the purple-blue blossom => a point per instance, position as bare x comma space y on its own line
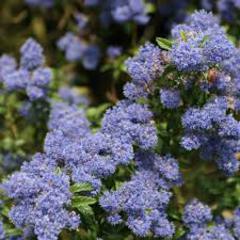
10, 162
228, 9
76, 49
132, 123
73, 46
218, 232
91, 57
236, 223
166, 168
16, 80
114, 51
72, 96
142, 200
7, 65
126, 10
145, 197
207, 4
31, 77
67, 124
42, 77
40, 3
89, 157
170, 98
134, 91
70, 119
2, 232
31, 55
82, 20
37, 86
96, 157
200, 43
196, 214
202, 21
198, 219
121, 11
40, 195
214, 132
91, 2
146, 66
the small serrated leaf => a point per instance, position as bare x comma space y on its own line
79, 201
12, 232
81, 187
85, 210
164, 43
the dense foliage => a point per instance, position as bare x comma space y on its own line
120, 120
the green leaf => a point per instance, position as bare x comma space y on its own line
150, 8
79, 201
94, 114
13, 232
5, 211
81, 187
164, 43
183, 36
204, 40
179, 233
85, 210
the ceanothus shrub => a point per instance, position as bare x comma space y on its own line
137, 172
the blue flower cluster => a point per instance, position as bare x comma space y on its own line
91, 2
200, 43
197, 216
141, 202
82, 20
87, 157
72, 96
144, 69
7, 65
41, 189
170, 98
133, 132
214, 132
145, 197
126, 10
228, 9
227, 80
132, 123
40, 3
84, 45
31, 76
114, 51
91, 157
121, 11
41, 195
2, 233
75, 48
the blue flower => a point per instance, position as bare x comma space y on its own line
31, 55
196, 214
200, 43
41, 195
7, 65
131, 122
170, 98
2, 232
